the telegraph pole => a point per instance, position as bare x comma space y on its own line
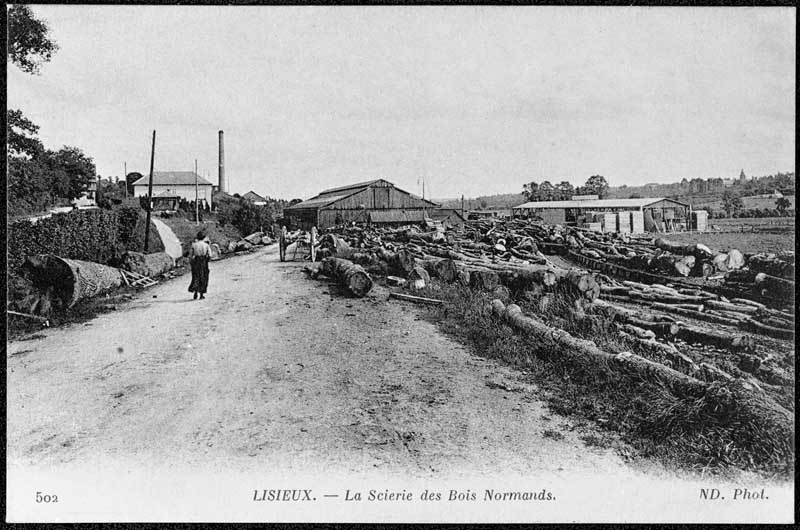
196, 197
125, 175
149, 195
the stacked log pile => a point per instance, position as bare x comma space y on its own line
705, 306
480, 264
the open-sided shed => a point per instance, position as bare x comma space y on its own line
358, 203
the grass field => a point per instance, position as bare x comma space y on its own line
748, 242
747, 203
752, 223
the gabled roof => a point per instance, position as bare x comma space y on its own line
332, 195
253, 196
172, 178
599, 203
351, 187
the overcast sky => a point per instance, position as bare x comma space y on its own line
477, 100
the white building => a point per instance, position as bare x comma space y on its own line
180, 183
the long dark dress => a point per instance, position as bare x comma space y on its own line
199, 275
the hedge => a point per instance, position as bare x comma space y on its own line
101, 236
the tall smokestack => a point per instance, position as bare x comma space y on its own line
223, 183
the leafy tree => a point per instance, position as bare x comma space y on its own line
565, 190
530, 190
547, 191
73, 170
109, 193
731, 203
130, 178
21, 135
782, 204
596, 185
29, 42
295, 201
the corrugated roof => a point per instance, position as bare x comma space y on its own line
396, 216
599, 203
174, 178
335, 194
316, 202
358, 185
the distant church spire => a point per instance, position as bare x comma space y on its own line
742, 176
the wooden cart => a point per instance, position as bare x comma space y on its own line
304, 243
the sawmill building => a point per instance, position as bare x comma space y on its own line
612, 215
375, 202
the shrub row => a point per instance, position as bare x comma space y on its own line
100, 236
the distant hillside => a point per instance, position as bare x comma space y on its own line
505, 200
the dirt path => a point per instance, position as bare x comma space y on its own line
285, 372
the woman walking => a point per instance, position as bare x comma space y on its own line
200, 255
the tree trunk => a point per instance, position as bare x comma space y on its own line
347, 274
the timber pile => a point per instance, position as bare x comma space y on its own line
732, 400
485, 258
743, 314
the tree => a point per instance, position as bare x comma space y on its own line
731, 203
21, 135
295, 201
29, 42
109, 193
596, 185
565, 190
130, 178
546, 191
73, 171
782, 204
530, 190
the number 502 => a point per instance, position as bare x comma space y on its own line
45, 498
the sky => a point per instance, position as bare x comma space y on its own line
475, 100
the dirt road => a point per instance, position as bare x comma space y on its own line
283, 371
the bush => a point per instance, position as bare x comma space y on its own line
245, 216
97, 235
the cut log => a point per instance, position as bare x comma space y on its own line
726, 341
150, 265
419, 299
347, 274
778, 333
587, 351
484, 280
71, 280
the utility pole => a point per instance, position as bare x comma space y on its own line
196, 197
149, 195
125, 176
462, 205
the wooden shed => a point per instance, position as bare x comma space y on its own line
666, 214
357, 203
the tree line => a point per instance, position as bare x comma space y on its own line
37, 177
563, 191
